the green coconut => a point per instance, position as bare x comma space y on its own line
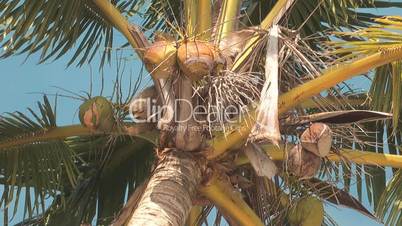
97, 114
308, 211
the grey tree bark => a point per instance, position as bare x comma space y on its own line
167, 198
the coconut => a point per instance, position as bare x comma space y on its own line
302, 163
196, 59
308, 211
160, 59
317, 139
97, 114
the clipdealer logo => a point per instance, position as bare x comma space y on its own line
146, 110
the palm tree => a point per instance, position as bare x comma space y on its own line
281, 159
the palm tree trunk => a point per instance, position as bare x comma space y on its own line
167, 198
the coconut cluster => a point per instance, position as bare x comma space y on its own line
195, 59
304, 159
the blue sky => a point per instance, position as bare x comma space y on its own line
21, 83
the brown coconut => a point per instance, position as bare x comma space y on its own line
160, 59
196, 59
302, 163
317, 139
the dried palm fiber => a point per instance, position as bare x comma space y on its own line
235, 42
266, 127
262, 164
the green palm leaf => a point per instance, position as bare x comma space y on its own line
103, 185
389, 207
384, 94
81, 174
318, 16
385, 35
54, 27
37, 169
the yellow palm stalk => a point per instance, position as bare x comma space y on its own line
205, 22
355, 156
190, 12
223, 195
274, 16
113, 15
227, 18
144, 131
194, 216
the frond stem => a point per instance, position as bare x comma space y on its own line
59, 133
355, 156
114, 16
227, 18
225, 197
273, 17
190, 9
204, 13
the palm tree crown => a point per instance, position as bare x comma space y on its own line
300, 131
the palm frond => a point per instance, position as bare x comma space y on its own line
369, 182
318, 15
37, 169
385, 91
54, 27
109, 183
389, 207
75, 172
337, 196
170, 9
383, 35
103, 184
